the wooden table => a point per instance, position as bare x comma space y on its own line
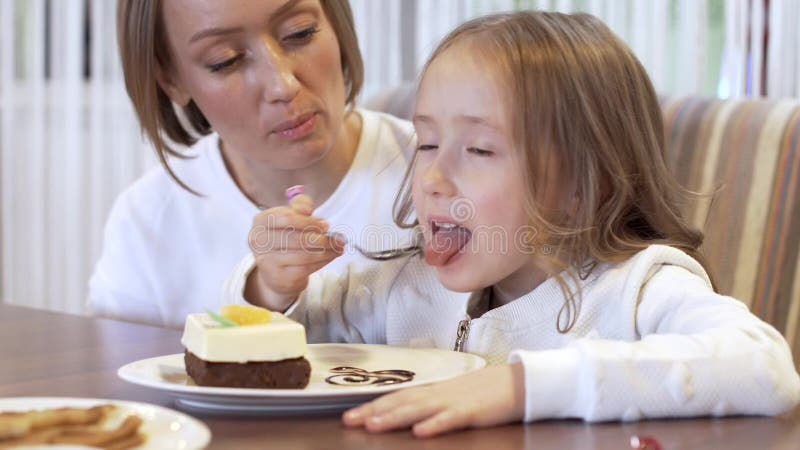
51, 354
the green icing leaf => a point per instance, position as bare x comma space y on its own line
227, 323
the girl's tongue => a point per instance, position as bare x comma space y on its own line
445, 243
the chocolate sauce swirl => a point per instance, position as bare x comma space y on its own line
353, 376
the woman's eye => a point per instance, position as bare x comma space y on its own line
302, 36
427, 147
480, 151
216, 67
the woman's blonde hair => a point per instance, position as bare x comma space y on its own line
143, 49
578, 94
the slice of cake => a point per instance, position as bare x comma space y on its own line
245, 347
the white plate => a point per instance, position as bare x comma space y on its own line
429, 365
165, 429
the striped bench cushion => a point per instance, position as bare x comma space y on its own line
744, 157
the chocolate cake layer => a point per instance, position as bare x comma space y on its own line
285, 374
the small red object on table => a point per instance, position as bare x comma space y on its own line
644, 443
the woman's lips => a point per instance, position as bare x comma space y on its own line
296, 128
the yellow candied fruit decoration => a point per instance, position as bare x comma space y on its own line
245, 314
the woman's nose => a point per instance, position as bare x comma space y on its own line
277, 71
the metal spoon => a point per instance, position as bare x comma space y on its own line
377, 255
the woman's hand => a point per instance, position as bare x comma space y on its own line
288, 245
484, 398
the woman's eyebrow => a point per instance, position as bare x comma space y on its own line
214, 32
217, 31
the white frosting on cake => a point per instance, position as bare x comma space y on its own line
280, 338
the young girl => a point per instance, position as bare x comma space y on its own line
552, 241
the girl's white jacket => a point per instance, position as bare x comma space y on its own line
652, 338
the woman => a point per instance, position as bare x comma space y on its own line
262, 93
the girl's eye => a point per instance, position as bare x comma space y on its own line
427, 147
480, 151
216, 67
302, 36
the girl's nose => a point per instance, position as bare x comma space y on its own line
277, 72
436, 180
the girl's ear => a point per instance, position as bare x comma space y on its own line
172, 86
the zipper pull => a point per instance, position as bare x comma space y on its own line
461, 335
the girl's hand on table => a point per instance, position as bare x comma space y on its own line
484, 398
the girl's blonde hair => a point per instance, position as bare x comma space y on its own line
144, 50
580, 97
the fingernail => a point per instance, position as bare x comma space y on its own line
294, 191
353, 414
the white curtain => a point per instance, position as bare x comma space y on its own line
783, 49
69, 145
69, 142
710, 47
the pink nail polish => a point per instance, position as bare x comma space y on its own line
294, 191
